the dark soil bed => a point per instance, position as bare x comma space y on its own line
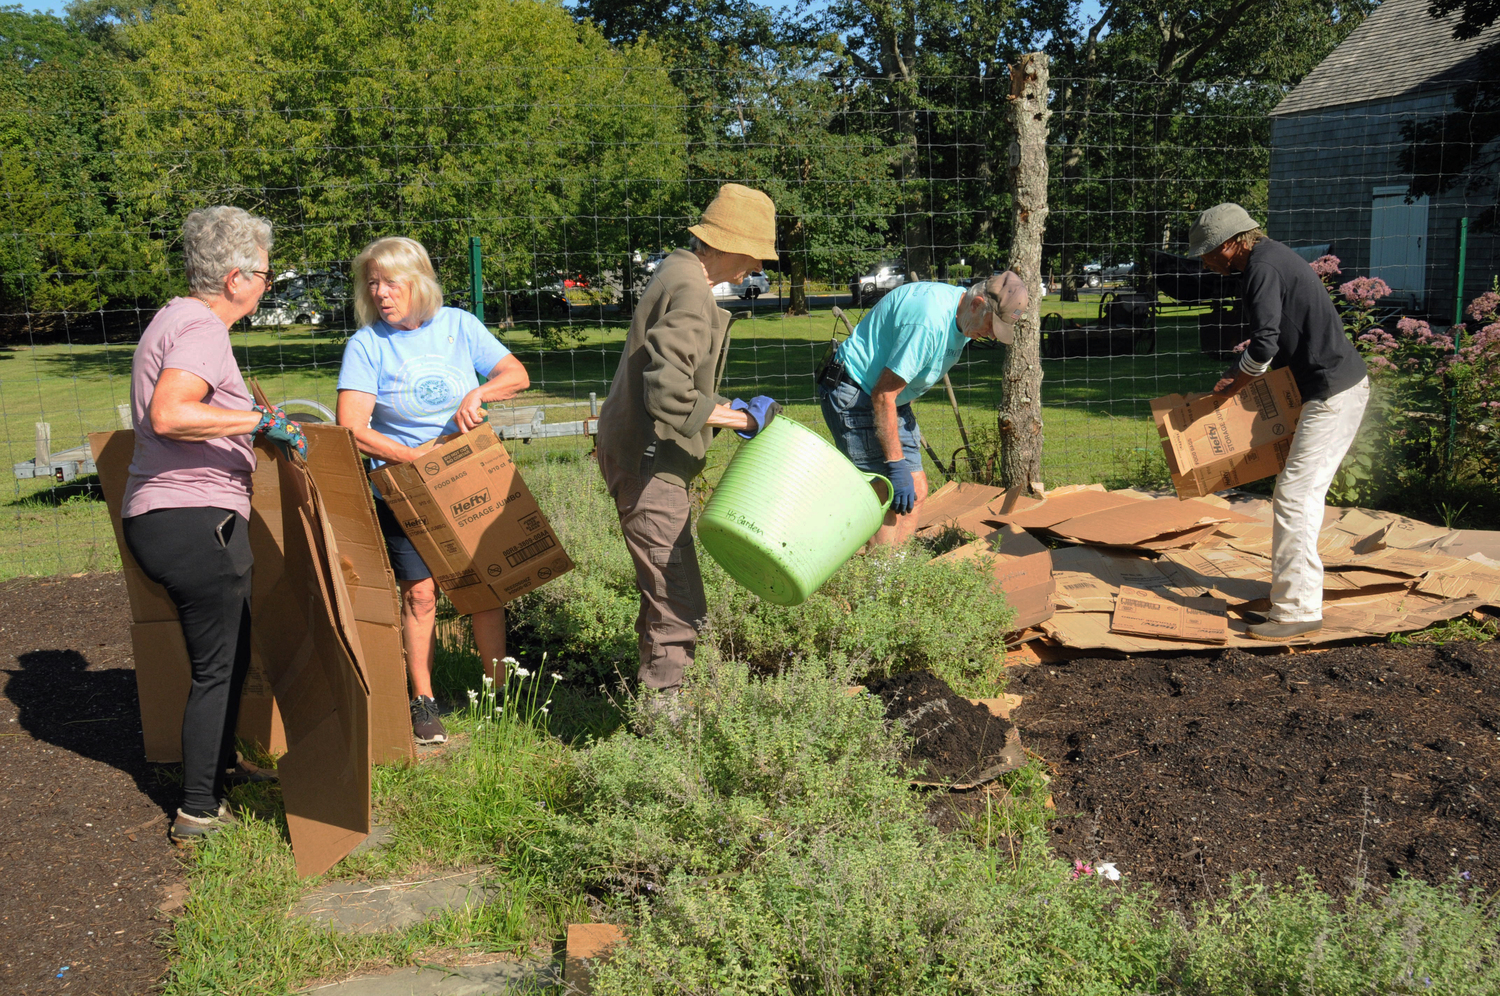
83, 831
1376, 761
955, 739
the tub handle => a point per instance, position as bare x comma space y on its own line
890, 489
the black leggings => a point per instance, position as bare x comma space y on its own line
202, 557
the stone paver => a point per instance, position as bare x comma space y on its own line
505, 977
376, 907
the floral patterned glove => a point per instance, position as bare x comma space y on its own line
275, 426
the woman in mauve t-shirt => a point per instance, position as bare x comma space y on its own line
187, 503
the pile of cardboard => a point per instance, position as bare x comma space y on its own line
1129, 571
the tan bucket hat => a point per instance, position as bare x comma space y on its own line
1218, 225
739, 220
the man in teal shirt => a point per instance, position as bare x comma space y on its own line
904, 345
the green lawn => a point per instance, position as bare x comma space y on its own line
1096, 409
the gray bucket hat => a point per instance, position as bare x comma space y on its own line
1217, 226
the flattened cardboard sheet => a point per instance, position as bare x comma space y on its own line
957, 504
1165, 615
1060, 506
325, 773
334, 464
1465, 579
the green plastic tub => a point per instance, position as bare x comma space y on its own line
788, 512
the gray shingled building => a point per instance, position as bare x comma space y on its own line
1334, 142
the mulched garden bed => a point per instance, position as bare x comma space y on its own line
83, 827
1376, 761
955, 739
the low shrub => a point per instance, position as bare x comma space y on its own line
885, 611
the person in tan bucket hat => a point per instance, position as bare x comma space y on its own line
661, 414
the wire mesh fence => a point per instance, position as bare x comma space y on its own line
546, 195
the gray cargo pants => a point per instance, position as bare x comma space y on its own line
654, 518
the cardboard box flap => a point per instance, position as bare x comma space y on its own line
1134, 521
1057, 508
1022, 569
1163, 614
1238, 576
1465, 579
952, 502
325, 774
1405, 563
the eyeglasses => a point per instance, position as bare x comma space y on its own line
265, 275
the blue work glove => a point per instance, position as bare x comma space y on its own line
903, 488
761, 408
275, 426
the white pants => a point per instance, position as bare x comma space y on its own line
1325, 432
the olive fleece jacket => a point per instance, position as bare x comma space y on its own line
663, 391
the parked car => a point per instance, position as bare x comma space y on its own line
885, 277
319, 297
753, 286
1092, 273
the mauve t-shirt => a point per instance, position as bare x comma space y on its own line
180, 473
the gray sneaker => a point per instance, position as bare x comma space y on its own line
426, 727
187, 829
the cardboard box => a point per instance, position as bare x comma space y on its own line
162, 671
1212, 443
1163, 614
1022, 569
471, 517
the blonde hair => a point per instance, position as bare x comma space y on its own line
400, 259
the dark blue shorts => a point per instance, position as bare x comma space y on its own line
850, 416
405, 560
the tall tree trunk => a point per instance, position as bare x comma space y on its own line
797, 268
1020, 416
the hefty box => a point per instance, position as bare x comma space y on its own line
474, 521
1213, 443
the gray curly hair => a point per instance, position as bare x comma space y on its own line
218, 240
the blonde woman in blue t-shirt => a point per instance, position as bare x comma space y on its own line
414, 371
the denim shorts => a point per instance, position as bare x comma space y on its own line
406, 563
850, 416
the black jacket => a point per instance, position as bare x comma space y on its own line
1294, 324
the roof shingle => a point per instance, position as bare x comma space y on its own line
1398, 50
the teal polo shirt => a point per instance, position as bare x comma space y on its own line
913, 332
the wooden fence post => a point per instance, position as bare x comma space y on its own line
1020, 416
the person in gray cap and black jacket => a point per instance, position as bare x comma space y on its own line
1293, 324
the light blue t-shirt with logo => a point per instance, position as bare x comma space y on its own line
419, 376
913, 331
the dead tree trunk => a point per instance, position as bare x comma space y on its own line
1020, 416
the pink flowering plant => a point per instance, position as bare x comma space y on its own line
1428, 386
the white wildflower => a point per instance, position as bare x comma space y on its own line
522, 673
509, 661
473, 696
498, 710
1107, 869
488, 681
556, 676
544, 708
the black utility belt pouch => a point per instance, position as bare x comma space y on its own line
830, 369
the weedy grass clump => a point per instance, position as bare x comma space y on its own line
887, 611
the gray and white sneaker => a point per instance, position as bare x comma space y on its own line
426, 727
186, 829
